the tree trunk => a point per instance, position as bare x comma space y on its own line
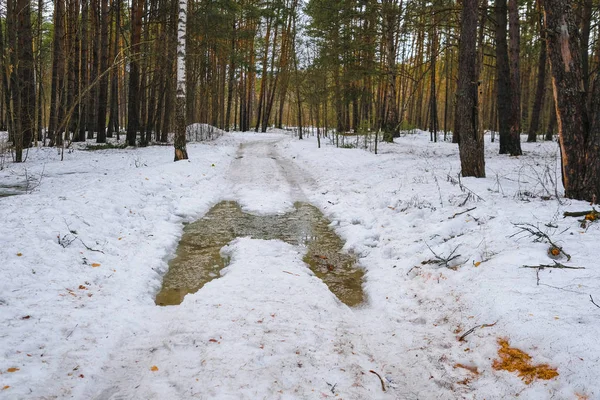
180, 125
471, 141
502, 77
84, 73
103, 78
580, 145
538, 103
113, 120
57, 73
514, 142
133, 101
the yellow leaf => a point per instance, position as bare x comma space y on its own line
12, 370
95, 265
5, 387
154, 368
477, 264
19, 254
120, 238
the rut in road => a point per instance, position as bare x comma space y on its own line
263, 181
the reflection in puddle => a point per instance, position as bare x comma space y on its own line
198, 260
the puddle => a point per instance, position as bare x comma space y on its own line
198, 261
11, 190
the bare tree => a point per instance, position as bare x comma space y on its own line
471, 141
179, 142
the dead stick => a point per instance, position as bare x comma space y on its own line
460, 213
556, 265
580, 213
593, 302
381, 380
89, 248
467, 333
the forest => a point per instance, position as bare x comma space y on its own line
74, 70
372, 199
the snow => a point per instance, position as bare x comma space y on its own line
84, 251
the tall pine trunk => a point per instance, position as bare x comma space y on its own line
514, 50
133, 101
579, 140
503, 83
538, 102
466, 124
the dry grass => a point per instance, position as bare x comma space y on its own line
515, 360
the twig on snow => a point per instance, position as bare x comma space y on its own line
467, 333
581, 213
380, 379
540, 236
441, 260
69, 335
593, 302
89, 248
556, 265
460, 213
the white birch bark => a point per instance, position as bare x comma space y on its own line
180, 125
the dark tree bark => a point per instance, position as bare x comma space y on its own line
231, 78
92, 109
514, 33
540, 91
72, 55
133, 119
113, 120
586, 21
471, 141
26, 72
579, 140
56, 90
4, 63
391, 120
503, 82
84, 72
433, 125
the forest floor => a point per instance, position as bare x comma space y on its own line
86, 243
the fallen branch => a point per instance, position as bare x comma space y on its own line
593, 302
460, 213
582, 213
541, 236
556, 265
380, 379
89, 248
69, 335
441, 260
467, 333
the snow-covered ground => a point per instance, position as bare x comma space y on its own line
84, 251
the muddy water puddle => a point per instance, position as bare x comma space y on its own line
198, 260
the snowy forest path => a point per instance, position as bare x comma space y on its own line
267, 325
264, 181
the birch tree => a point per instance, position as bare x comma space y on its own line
179, 142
